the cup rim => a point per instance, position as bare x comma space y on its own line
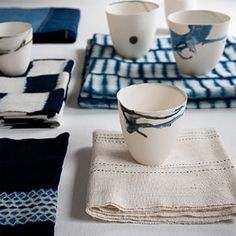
182, 103
131, 14
28, 28
227, 18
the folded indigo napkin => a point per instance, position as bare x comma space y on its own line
30, 172
105, 73
35, 99
50, 25
195, 185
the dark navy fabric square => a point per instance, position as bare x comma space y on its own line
30, 171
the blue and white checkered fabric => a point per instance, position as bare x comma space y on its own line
105, 73
35, 99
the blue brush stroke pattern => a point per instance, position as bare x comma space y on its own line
132, 118
197, 35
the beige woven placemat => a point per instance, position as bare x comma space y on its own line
195, 185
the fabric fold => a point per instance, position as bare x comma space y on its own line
105, 73
35, 99
195, 185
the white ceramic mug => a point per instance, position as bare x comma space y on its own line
151, 116
198, 39
15, 47
132, 26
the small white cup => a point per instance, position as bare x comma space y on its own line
150, 118
198, 39
132, 26
15, 47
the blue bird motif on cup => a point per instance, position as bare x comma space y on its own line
197, 35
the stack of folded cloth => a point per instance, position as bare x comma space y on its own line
195, 185
105, 73
30, 171
35, 99
50, 25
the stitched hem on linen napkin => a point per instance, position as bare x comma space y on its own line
195, 185
105, 73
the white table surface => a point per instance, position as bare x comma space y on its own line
80, 123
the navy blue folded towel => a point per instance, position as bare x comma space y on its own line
105, 73
30, 171
50, 25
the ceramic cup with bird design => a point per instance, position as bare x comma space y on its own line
151, 116
198, 39
132, 26
15, 47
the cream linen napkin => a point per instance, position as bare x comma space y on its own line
195, 185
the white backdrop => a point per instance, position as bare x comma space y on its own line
71, 217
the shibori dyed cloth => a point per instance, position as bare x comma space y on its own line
30, 172
50, 25
105, 73
35, 99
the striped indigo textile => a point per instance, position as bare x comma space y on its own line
36, 98
105, 73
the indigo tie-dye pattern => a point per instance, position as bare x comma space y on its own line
105, 73
197, 35
136, 121
24, 207
30, 171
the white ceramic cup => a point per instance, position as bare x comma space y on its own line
15, 47
132, 26
198, 39
178, 5
150, 117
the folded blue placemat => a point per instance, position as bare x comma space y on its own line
36, 98
30, 171
50, 25
105, 73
